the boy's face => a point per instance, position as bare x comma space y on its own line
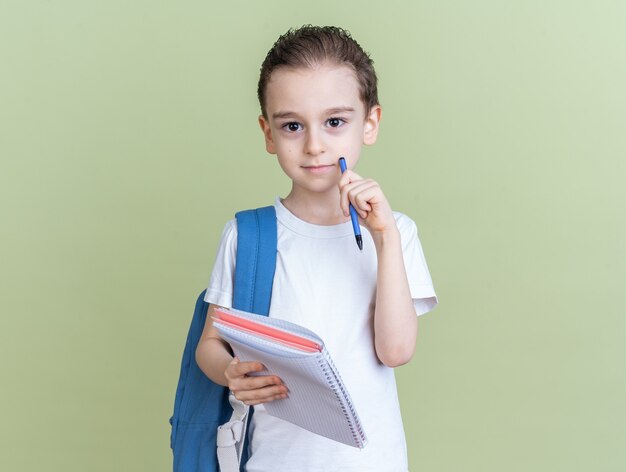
315, 116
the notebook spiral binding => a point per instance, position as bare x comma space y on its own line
334, 381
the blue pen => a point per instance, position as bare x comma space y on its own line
353, 216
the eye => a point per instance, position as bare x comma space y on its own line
335, 122
292, 126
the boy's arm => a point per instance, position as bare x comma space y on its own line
213, 354
215, 359
395, 320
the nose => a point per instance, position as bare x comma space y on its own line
313, 144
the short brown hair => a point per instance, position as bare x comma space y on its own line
310, 45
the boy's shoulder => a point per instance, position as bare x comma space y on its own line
230, 228
404, 222
228, 239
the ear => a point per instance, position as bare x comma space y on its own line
372, 121
267, 132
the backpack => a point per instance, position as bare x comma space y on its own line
201, 405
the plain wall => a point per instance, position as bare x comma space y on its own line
129, 136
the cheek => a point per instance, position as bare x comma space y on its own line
356, 134
356, 140
285, 148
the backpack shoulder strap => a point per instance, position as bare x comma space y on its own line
256, 259
199, 402
254, 275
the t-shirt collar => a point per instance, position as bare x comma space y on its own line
304, 228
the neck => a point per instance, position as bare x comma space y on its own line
318, 209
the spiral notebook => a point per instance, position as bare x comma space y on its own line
318, 400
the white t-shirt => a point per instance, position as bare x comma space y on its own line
323, 282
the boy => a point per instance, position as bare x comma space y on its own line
319, 102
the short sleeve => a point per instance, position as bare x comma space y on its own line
420, 282
220, 289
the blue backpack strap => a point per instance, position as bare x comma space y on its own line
256, 260
201, 405
254, 271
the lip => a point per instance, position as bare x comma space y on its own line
321, 169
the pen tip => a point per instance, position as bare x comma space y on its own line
359, 242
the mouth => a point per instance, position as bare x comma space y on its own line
319, 169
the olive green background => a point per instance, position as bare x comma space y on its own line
128, 137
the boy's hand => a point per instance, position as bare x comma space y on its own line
253, 390
368, 200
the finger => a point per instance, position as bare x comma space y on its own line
253, 383
265, 400
261, 395
344, 189
239, 369
363, 195
268, 399
347, 177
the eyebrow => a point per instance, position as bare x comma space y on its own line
330, 111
